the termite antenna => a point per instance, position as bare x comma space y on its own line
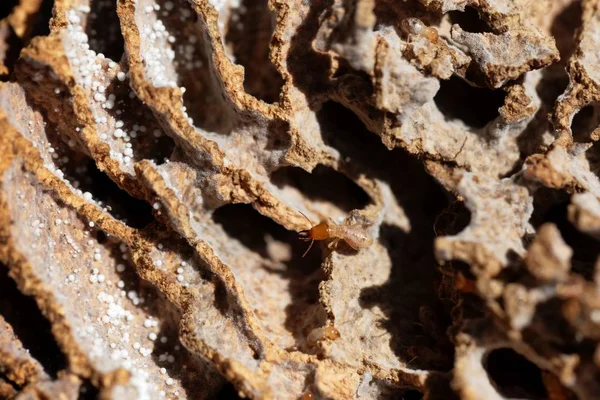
309, 246
304, 235
308, 219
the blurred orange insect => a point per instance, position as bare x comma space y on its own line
353, 233
323, 333
414, 26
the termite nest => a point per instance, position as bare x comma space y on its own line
161, 159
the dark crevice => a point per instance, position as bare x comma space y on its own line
474, 106
563, 29
412, 395
585, 248
6, 7
273, 242
149, 141
37, 24
134, 212
41, 20
452, 220
514, 376
29, 325
5, 380
12, 47
469, 20
249, 32
228, 392
549, 205
323, 184
103, 29
585, 122
87, 391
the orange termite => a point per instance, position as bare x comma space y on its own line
307, 395
554, 388
324, 333
355, 234
464, 284
416, 27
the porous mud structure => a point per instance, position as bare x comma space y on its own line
158, 159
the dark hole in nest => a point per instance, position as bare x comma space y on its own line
323, 184
41, 25
514, 375
104, 29
584, 122
412, 395
452, 220
87, 391
101, 237
14, 44
136, 213
563, 29
7, 7
29, 325
469, 20
474, 106
585, 248
228, 392
249, 32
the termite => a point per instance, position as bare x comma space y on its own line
307, 395
324, 333
416, 27
464, 284
554, 388
355, 234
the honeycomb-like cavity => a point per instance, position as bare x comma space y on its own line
160, 158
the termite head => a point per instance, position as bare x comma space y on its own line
317, 232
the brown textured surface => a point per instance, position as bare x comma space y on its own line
159, 157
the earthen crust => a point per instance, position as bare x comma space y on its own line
159, 158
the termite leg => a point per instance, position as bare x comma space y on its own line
309, 246
333, 243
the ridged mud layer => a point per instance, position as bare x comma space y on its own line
159, 157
